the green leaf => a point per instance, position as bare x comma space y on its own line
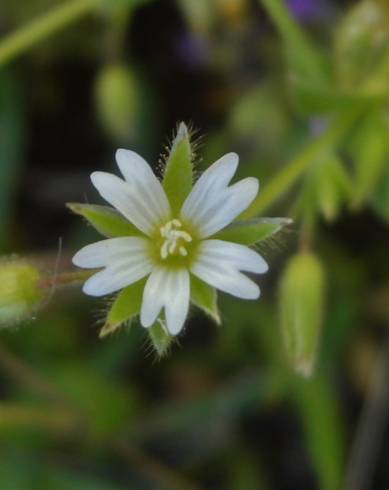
205, 298
326, 188
304, 60
160, 338
126, 305
252, 231
178, 176
104, 219
370, 152
311, 99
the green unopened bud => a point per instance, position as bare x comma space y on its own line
362, 44
20, 294
160, 338
116, 100
301, 306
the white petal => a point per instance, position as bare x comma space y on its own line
177, 294
167, 288
118, 276
127, 199
223, 209
108, 251
226, 279
152, 301
239, 256
213, 180
138, 172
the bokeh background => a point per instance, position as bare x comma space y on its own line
300, 90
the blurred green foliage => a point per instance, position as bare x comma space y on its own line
301, 95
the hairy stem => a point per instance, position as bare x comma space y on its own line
65, 279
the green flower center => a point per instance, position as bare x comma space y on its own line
174, 239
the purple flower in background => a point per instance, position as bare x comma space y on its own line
308, 10
192, 51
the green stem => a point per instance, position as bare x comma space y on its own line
42, 27
286, 26
295, 40
277, 187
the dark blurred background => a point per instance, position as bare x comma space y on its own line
223, 409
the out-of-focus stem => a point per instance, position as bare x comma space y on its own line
42, 27
373, 421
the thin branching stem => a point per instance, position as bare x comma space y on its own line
371, 428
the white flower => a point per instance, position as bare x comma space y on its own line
169, 249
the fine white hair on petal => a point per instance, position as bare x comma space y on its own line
111, 250
138, 172
211, 182
127, 198
221, 208
117, 276
225, 277
168, 288
239, 256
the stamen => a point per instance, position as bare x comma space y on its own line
174, 239
183, 251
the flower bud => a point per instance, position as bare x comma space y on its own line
361, 44
301, 307
20, 294
116, 100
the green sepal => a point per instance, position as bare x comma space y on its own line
252, 231
178, 175
160, 338
204, 297
126, 305
104, 219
